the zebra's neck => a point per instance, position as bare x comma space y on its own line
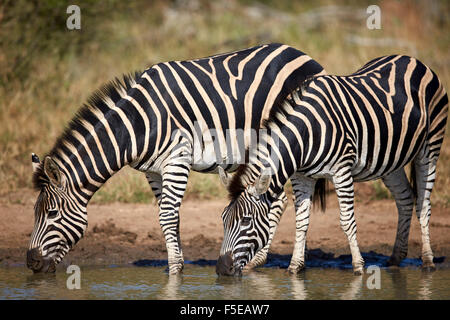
271, 156
112, 131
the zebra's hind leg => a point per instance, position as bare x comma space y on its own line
425, 170
276, 211
343, 183
303, 189
399, 186
155, 182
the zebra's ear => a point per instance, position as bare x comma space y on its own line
52, 171
261, 184
225, 178
35, 162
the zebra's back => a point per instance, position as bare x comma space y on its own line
380, 117
220, 99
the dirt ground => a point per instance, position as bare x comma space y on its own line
123, 233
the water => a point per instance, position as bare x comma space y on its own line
201, 282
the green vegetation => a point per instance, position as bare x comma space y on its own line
380, 191
48, 71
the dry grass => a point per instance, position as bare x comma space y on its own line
33, 112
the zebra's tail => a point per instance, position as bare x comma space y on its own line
437, 105
320, 193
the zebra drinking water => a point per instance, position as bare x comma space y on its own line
360, 127
169, 119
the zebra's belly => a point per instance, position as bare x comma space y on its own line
360, 173
367, 170
368, 175
209, 159
377, 166
207, 155
213, 167
385, 151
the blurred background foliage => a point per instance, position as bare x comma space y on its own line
48, 71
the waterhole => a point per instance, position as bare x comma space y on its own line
201, 282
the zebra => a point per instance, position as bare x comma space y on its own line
364, 126
171, 118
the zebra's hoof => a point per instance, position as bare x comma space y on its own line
253, 265
258, 261
295, 269
175, 269
357, 272
428, 267
248, 268
394, 261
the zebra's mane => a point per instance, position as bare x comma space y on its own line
280, 105
237, 185
98, 101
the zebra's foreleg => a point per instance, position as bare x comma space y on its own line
343, 182
303, 189
399, 186
172, 237
175, 175
425, 175
276, 211
174, 182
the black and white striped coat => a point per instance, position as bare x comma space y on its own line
360, 127
169, 119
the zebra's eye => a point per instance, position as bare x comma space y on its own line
246, 221
52, 213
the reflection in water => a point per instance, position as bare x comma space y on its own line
298, 286
425, 285
399, 282
230, 287
353, 289
263, 285
171, 289
48, 286
202, 283
40, 280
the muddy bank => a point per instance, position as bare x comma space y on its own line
127, 233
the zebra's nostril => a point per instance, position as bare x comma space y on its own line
37, 263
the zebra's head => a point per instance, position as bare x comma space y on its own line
59, 222
246, 225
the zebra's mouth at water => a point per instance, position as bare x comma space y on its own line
227, 265
39, 264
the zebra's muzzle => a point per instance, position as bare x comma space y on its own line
225, 266
38, 263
